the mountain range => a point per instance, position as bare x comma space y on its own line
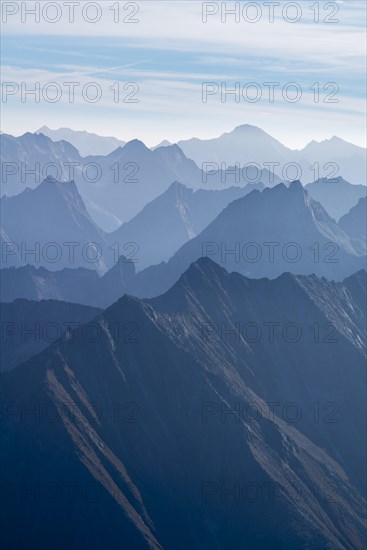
264, 234
193, 431
170, 220
183, 358
87, 143
115, 187
259, 234
249, 144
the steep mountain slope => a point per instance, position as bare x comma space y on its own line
28, 327
86, 142
171, 430
45, 220
264, 234
9, 253
336, 195
354, 223
170, 220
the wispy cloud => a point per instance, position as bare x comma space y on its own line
170, 52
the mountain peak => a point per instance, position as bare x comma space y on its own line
176, 186
42, 130
135, 146
164, 143
296, 186
203, 269
249, 128
171, 151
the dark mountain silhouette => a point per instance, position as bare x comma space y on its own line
28, 327
148, 422
336, 195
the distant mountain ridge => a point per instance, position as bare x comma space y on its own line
261, 234
248, 144
87, 143
117, 186
134, 175
173, 218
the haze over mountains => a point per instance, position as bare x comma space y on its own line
116, 186
183, 351
336, 195
87, 143
260, 234
355, 223
49, 225
249, 144
176, 216
73, 239
245, 144
25, 161
143, 419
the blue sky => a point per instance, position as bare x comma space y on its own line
170, 52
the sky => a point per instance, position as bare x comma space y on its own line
156, 70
